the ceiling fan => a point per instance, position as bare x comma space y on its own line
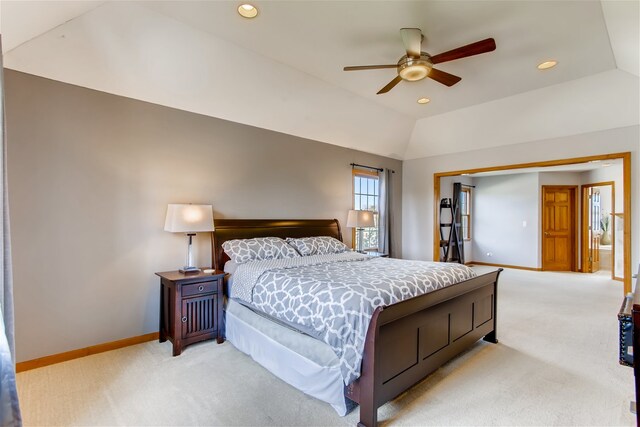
416, 65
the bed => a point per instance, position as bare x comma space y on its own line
404, 341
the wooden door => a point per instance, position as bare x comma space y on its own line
558, 228
591, 229
594, 230
591, 213
199, 315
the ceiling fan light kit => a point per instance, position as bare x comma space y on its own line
414, 69
417, 65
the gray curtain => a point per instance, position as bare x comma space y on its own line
9, 407
384, 214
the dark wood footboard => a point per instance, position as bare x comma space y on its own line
409, 340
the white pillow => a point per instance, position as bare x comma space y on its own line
230, 267
260, 248
320, 245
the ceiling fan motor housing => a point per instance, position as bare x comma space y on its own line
414, 69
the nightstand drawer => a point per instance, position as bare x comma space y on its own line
199, 288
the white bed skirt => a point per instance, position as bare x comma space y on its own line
298, 359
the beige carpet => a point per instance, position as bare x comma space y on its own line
556, 364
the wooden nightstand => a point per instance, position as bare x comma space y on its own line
190, 308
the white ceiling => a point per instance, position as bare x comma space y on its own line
283, 70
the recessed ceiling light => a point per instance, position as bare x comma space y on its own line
465, 174
247, 10
547, 64
423, 100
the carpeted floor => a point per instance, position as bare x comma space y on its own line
556, 364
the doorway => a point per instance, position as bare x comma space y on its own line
622, 232
598, 227
559, 228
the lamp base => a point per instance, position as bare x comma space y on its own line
189, 270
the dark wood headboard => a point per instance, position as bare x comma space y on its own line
229, 229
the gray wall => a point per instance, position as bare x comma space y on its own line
90, 177
501, 204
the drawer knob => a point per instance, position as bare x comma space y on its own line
184, 319
201, 288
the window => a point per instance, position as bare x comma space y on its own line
366, 196
465, 209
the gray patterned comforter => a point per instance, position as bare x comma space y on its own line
333, 297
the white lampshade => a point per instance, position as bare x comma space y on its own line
360, 219
189, 218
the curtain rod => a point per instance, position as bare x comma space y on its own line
465, 185
355, 165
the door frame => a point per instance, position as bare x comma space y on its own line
584, 229
626, 181
573, 215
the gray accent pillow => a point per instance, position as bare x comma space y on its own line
258, 249
320, 245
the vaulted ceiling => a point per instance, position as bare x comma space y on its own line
283, 70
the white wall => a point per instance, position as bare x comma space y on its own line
501, 205
418, 178
606, 206
560, 178
603, 174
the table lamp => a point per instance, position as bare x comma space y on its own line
189, 219
358, 220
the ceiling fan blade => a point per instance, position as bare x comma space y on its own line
442, 77
390, 85
412, 40
369, 67
476, 48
